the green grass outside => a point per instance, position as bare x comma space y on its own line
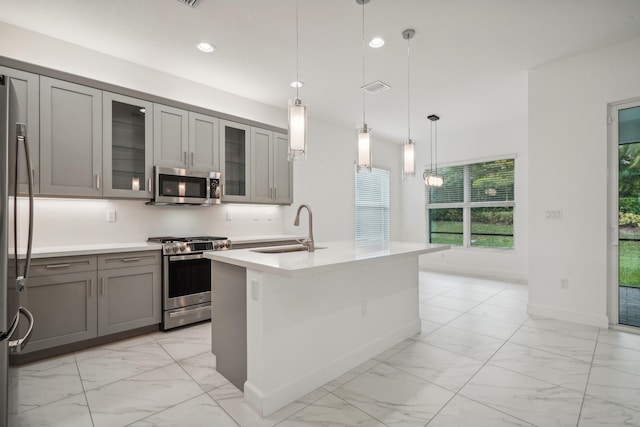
629, 259
477, 241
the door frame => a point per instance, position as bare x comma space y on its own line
613, 293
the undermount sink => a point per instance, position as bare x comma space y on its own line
282, 249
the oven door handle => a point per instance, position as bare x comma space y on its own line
185, 257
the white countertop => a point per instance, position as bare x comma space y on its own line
93, 249
262, 239
333, 255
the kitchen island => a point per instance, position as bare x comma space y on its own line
284, 324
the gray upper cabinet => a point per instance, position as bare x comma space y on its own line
127, 146
235, 149
171, 136
70, 139
271, 172
24, 99
185, 140
282, 169
204, 143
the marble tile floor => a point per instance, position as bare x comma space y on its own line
480, 360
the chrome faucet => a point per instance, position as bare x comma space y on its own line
309, 241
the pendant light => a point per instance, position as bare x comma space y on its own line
297, 112
431, 176
409, 147
363, 161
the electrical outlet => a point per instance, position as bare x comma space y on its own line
564, 283
255, 290
551, 215
111, 215
228, 216
364, 309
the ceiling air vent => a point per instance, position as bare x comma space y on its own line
375, 87
191, 3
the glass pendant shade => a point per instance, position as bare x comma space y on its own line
408, 159
297, 130
364, 148
433, 179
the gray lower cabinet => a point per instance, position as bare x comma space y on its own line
129, 291
70, 139
61, 294
77, 298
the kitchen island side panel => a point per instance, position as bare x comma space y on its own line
306, 330
229, 321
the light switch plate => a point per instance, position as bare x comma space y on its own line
111, 215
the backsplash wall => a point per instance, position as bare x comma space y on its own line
62, 222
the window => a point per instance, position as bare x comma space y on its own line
474, 206
372, 205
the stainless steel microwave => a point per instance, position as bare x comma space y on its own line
184, 187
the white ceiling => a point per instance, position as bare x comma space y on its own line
468, 58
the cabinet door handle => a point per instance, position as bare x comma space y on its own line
103, 288
149, 185
92, 289
97, 181
186, 163
51, 266
130, 259
192, 154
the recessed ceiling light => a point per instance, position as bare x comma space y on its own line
206, 47
297, 84
376, 42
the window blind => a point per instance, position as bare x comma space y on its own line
372, 205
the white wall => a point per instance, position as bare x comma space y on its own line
458, 144
325, 180
568, 163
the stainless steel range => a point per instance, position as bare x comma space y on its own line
186, 278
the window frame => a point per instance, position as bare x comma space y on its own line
466, 205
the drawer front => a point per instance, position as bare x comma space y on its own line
61, 265
129, 259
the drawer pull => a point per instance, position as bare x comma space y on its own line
130, 259
57, 266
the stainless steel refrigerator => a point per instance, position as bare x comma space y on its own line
15, 320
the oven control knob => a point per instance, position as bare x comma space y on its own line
227, 244
184, 247
216, 246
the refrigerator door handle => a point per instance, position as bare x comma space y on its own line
12, 327
16, 346
21, 132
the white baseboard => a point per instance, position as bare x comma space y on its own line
268, 403
597, 320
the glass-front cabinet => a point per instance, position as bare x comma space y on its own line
236, 152
127, 146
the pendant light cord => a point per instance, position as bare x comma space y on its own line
408, 89
435, 155
431, 148
297, 50
364, 121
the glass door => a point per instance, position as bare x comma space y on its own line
628, 142
127, 146
234, 145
